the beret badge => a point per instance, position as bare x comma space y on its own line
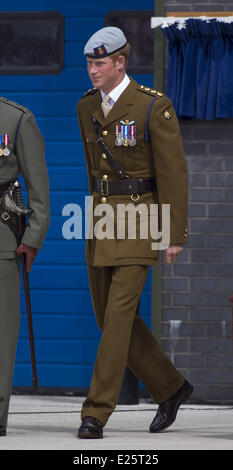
100, 50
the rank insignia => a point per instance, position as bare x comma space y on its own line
126, 134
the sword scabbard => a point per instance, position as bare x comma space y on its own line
21, 227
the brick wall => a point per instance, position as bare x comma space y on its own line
197, 315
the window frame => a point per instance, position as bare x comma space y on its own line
32, 69
110, 20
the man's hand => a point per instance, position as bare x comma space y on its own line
30, 253
171, 253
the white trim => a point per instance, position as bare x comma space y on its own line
165, 21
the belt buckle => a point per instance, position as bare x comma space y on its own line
104, 192
135, 197
5, 216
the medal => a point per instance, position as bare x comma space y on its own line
6, 152
119, 136
126, 135
1, 152
132, 140
6, 139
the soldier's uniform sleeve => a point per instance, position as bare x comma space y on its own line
170, 167
31, 160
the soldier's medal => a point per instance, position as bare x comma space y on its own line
126, 135
129, 133
6, 140
132, 132
119, 136
6, 152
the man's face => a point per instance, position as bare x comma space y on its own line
104, 73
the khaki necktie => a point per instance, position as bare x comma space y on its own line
105, 105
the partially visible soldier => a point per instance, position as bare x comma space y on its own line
21, 152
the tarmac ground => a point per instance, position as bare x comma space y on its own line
51, 422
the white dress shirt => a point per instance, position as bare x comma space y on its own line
116, 92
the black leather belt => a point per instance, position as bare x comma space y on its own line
130, 186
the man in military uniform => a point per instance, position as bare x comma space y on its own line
134, 154
21, 152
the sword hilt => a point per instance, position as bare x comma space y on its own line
19, 195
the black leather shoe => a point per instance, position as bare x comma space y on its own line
2, 431
91, 428
167, 410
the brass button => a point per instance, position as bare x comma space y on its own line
104, 133
103, 199
185, 235
153, 91
104, 177
159, 93
186, 230
147, 89
104, 156
87, 140
141, 86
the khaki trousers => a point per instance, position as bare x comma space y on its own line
126, 340
9, 329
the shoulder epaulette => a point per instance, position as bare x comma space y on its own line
150, 91
92, 91
14, 105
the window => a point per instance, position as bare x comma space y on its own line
31, 43
137, 29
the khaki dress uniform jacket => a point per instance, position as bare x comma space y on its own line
26, 157
162, 157
118, 268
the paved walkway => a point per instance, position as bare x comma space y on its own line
50, 423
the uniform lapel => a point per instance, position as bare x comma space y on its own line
120, 108
95, 108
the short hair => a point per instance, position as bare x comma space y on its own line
125, 51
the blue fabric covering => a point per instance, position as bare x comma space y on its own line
200, 68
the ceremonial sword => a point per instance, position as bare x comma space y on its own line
22, 225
